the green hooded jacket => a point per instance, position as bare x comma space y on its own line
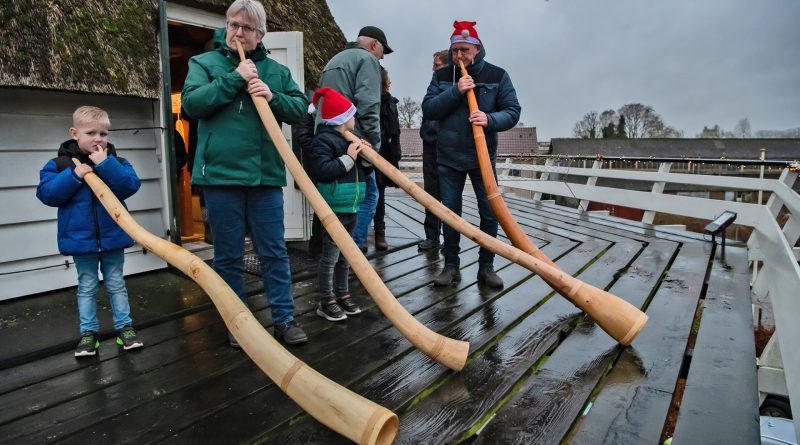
233, 147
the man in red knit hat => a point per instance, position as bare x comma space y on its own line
456, 157
339, 174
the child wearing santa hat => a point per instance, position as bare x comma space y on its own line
339, 175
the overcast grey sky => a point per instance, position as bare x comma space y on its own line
695, 62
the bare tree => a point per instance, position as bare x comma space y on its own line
608, 117
637, 118
587, 127
409, 112
743, 128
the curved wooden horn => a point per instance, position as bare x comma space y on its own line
342, 410
514, 232
447, 351
620, 319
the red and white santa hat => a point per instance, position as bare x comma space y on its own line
465, 32
336, 109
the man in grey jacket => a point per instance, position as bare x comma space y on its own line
355, 72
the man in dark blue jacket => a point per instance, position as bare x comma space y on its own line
499, 110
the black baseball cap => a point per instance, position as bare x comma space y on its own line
377, 34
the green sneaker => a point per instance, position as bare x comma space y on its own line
128, 339
88, 345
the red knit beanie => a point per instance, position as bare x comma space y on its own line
336, 109
465, 32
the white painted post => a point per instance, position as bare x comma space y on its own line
658, 188
597, 165
761, 175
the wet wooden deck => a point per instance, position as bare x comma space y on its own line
538, 371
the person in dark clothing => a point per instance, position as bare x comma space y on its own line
456, 156
302, 139
390, 150
427, 131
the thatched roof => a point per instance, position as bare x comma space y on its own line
111, 47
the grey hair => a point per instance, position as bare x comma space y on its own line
252, 9
365, 41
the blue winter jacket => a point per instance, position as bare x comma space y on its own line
496, 97
84, 225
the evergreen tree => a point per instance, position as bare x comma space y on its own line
609, 131
621, 128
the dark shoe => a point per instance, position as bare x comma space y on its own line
380, 240
350, 307
331, 311
487, 276
450, 275
428, 244
363, 248
291, 333
88, 345
233, 342
128, 339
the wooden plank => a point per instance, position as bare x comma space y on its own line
720, 401
583, 222
547, 404
38, 239
210, 382
372, 351
632, 402
463, 400
110, 384
399, 384
638, 227
27, 208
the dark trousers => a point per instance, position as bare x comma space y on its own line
380, 210
430, 177
451, 182
333, 266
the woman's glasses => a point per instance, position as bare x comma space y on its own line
246, 29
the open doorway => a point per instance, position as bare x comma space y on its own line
186, 41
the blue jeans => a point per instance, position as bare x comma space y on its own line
366, 211
333, 266
232, 209
451, 187
110, 263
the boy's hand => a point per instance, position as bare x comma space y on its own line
82, 169
365, 143
353, 150
99, 154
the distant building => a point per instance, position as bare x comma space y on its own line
516, 141
776, 149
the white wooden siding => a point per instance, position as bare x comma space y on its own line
33, 124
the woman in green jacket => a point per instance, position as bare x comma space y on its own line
236, 162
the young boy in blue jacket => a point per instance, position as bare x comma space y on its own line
85, 230
340, 179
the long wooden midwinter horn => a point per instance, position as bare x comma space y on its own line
514, 232
620, 319
342, 410
447, 351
